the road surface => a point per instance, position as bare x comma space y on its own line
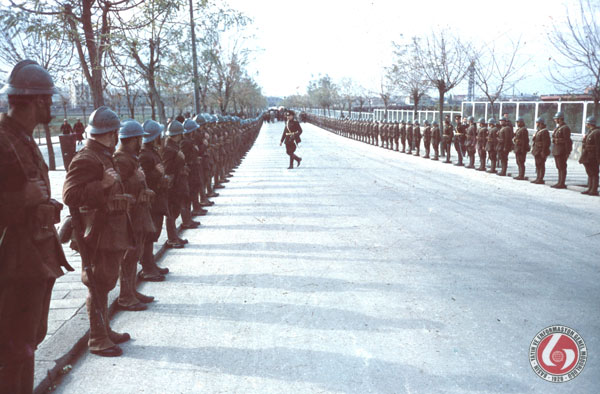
363, 271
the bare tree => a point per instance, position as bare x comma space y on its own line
497, 72
347, 93
444, 60
386, 89
88, 26
405, 74
576, 38
124, 76
25, 36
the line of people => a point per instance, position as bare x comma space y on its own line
125, 196
491, 140
119, 188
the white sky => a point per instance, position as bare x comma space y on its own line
352, 38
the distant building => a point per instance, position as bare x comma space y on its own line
80, 95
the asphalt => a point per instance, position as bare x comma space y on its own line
363, 270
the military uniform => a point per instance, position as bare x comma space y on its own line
447, 140
403, 136
108, 232
30, 256
417, 138
435, 140
409, 137
491, 145
503, 147
459, 140
562, 146
471, 144
291, 135
540, 151
427, 139
591, 157
521, 147
482, 134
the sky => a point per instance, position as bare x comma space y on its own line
295, 41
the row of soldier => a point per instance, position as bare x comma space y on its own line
124, 198
490, 140
119, 188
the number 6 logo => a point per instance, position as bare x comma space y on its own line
557, 354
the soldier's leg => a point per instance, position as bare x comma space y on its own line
492, 169
436, 152
447, 148
594, 188
458, 149
24, 307
127, 279
106, 272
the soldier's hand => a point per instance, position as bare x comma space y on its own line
280, 143
160, 168
109, 178
180, 154
36, 192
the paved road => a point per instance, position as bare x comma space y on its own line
364, 270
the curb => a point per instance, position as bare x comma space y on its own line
69, 341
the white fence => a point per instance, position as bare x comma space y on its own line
575, 112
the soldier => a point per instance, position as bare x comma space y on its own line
447, 138
93, 187
31, 256
409, 136
194, 163
417, 138
471, 142
491, 145
396, 134
65, 128
154, 171
435, 139
591, 155
291, 136
403, 136
78, 129
175, 169
134, 183
521, 147
540, 150
504, 145
482, 134
459, 140
561, 138
427, 139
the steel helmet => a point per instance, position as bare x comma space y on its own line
591, 120
174, 128
481, 120
29, 78
199, 119
189, 126
520, 119
426, 122
416, 123
540, 120
471, 119
492, 121
152, 130
559, 115
434, 123
130, 129
102, 121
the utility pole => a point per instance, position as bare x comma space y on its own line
195, 60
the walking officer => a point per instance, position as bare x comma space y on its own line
540, 150
562, 146
521, 147
30, 255
291, 136
94, 187
591, 155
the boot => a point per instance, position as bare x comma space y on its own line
594, 188
471, 162
291, 163
561, 180
492, 169
521, 176
590, 184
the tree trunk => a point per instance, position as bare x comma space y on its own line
441, 113
65, 109
195, 60
51, 160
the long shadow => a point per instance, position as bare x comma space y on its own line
331, 371
288, 228
304, 316
211, 254
302, 284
